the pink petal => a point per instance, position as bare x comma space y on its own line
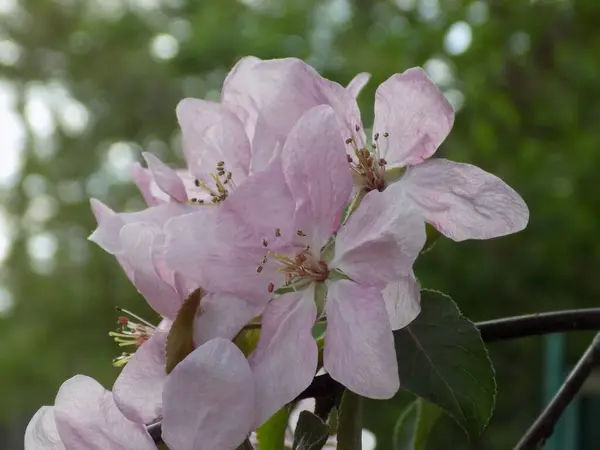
166, 178
223, 316
212, 133
88, 419
402, 301
138, 241
41, 432
359, 344
138, 389
380, 241
416, 115
221, 255
276, 93
285, 360
143, 180
358, 83
316, 169
109, 226
462, 201
208, 399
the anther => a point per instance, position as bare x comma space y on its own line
300, 233
193, 200
376, 137
265, 243
271, 287
277, 232
382, 162
349, 158
374, 145
386, 134
197, 183
357, 128
349, 140
259, 269
264, 261
220, 163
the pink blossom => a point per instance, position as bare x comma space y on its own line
239, 249
84, 417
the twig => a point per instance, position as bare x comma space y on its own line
543, 427
491, 331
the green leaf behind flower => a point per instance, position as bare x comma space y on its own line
180, 341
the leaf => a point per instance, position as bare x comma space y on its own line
349, 431
433, 236
442, 358
180, 341
271, 435
415, 424
311, 432
247, 339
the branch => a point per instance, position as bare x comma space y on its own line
491, 331
543, 427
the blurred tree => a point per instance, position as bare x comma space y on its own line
85, 85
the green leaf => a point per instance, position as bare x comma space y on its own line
271, 435
349, 435
442, 358
415, 424
433, 236
180, 341
311, 432
247, 339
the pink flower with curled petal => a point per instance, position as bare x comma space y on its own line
84, 417
254, 250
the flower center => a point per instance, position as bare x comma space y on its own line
368, 166
300, 270
223, 185
129, 334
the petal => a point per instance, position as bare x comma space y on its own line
276, 93
316, 169
166, 178
358, 83
359, 344
138, 389
208, 399
41, 433
462, 201
402, 301
88, 419
380, 241
220, 255
223, 316
138, 240
212, 133
285, 359
109, 226
415, 114
144, 181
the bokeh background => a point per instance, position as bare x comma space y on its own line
86, 85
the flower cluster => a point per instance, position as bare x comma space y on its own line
286, 221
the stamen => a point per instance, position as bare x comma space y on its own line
349, 140
259, 269
265, 243
386, 134
271, 287
277, 232
300, 233
220, 163
376, 137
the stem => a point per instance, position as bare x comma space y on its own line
543, 427
491, 331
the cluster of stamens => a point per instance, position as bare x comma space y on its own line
301, 267
223, 184
129, 334
369, 166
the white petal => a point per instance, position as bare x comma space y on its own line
358, 83
166, 178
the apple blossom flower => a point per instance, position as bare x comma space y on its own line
250, 248
84, 416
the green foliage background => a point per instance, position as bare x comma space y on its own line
530, 108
